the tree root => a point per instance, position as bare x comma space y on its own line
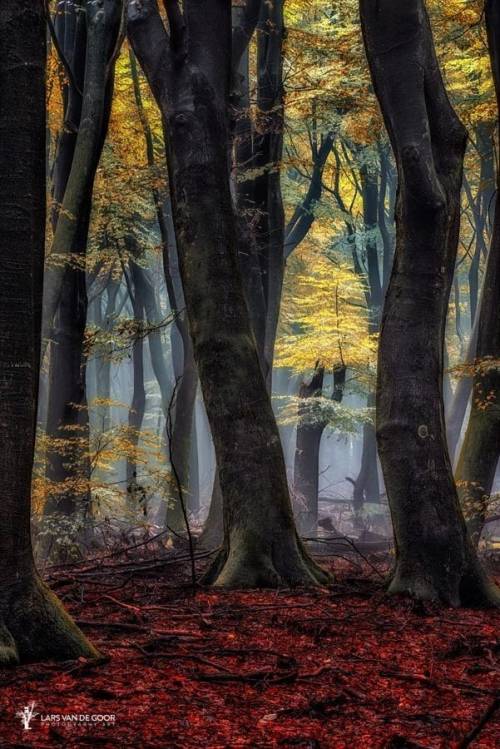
280, 564
471, 588
36, 627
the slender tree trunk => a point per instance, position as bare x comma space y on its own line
268, 151
366, 485
434, 557
458, 405
481, 447
183, 416
138, 405
310, 430
190, 77
33, 624
65, 294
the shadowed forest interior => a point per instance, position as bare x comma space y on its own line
249, 371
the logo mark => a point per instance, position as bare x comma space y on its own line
27, 714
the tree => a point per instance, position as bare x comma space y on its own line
90, 40
34, 625
434, 558
189, 73
481, 447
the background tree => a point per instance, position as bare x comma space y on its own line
481, 446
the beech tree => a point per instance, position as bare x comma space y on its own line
188, 70
88, 37
33, 623
481, 447
434, 557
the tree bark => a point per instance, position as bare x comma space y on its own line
366, 485
306, 468
434, 557
481, 447
184, 365
33, 623
138, 405
65, 297
190, 79
310, 428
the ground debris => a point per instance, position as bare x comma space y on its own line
328, 669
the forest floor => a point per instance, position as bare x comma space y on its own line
343, 667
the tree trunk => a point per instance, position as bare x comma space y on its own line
310, 430
189, 73
138, 405
306, 469
434, 557
185, 372
268, 150
33, 624
481, 447
65, 297
366, 485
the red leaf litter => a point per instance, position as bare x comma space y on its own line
338, 668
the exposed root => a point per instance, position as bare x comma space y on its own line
472, 588
246, 566
37, 627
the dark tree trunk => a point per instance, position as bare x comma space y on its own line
366, 484
303, 216
138, 405
33, 624
434, 557
184, 365
71, 31
65, 297
268, 150
189, 74
481, 447
481, 206
310, 428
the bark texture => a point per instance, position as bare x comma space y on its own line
434, 558
33, 624
189, 73
481, 447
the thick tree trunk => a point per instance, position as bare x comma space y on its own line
481, 447
190, 76
434, 557
33, 624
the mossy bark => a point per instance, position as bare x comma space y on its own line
434, 557
190, 75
